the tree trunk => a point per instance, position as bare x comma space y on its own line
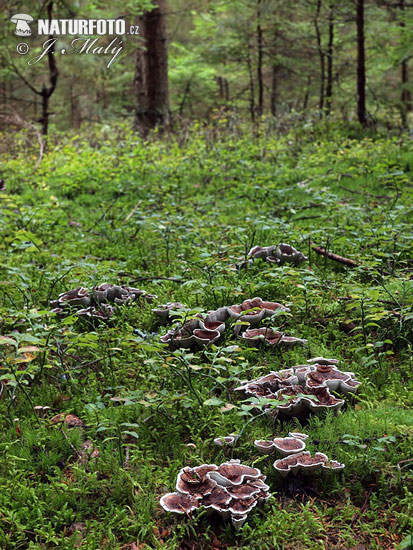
322, 58
361, 64
330, 51
274, 90
47, 92
251, 84
274, 80
307, 94
406, 105
226, 89
260, 106
151, 74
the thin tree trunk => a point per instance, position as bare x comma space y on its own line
274, 90
226, 89
307, 94
330, 52
251, 85
260, 106
274, 80
361, 64
47, 92
406, 105
221, 87
151, 73
3, 98
322, 58
186, 93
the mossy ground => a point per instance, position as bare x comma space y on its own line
173, 216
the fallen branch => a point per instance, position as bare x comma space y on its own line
323, 252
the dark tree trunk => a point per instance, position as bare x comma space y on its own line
260, 106
406, 105
330, 52
184, 97
251, 84
274, 90
221, 87
274, 79
322, 58
47, 91
307, 94
361, 64
3, 98
226, 89
151, 74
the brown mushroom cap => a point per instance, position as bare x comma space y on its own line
289, 444
206, 334
217, 498
236, 473
179, 503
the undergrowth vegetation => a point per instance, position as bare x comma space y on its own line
174, 216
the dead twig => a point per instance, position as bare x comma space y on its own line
323, 252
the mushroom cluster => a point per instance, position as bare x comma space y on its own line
200, 330
307, 463
281, 254
270, 337
254, 311
231, 489
324, 373
205, 330
303, 389
295, 458
95, 301
102, 313
294, 443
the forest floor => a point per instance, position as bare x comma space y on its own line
174, 217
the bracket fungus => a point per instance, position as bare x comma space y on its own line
324, 373
281, 254
101, 294
307, 463
194, 331
103, 313
179, 337
299, 400
270, 337
269, 384
164, 311
231, 489
283, 445
302, 400
255, 310
228, 440
205, 337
